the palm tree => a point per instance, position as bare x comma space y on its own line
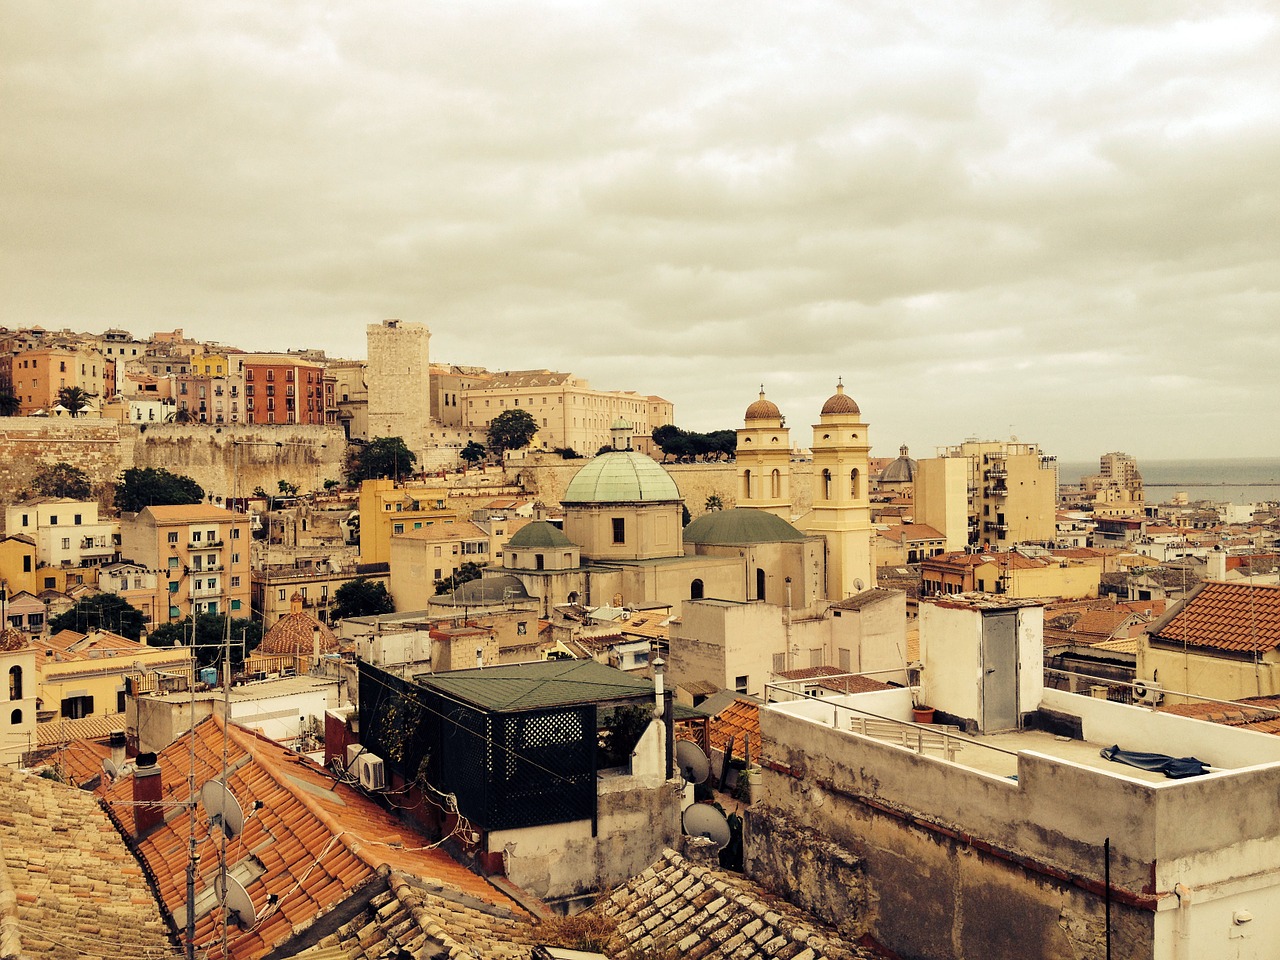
9, 405
73, 400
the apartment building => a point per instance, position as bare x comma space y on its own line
37, 375
281, 388
66, 532
388, 510
200, 555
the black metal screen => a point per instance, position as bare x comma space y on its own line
507, 770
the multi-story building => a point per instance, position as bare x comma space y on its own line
37, 375
135, 585
1116, 488
274, 588
420, 557
84, 675
388, 509
281, 388
66, 532
120, 347
200, 554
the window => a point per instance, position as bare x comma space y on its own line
26, 563
740, 684
50, 583
173, 563
746, 484
826, 484
53, 520
66, 543
522, 628
173, 537
120, 698
195, 536
235, 604
235, 582
397, 528
619, 530
695, 590
15, 718
77, 520
281, 595
235, 558
77, 708
15, 683
235, 533
779, 662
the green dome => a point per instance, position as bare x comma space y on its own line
540, 533
621, 476
740, 525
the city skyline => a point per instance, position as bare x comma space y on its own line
1055, 223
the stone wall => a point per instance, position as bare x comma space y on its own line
28, 444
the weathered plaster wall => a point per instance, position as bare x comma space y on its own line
28, 444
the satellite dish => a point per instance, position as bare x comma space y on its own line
858, 584
693, 763
236, 901
223, 808
109, 768
704, 820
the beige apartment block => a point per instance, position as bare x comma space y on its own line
568, 411
199, 553
941, 499
388, 510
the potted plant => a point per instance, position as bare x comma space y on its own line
920, 712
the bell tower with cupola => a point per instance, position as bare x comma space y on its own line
764, 460
841, 500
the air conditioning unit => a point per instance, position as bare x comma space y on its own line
1147, 692
353, 751
372, 775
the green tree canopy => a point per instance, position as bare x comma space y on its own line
151, 487
102, 611
9, 405
73, 400
61, 479
379, 459
467, 572
473, 452
361, 597
689, 445
211, 633
511, 430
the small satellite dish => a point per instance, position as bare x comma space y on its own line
704, 820
110, 769
237, 902
858, 584
693, 763
222, 808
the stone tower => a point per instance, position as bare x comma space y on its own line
399, 378
841, 502
764, 460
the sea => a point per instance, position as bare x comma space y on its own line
1242, 480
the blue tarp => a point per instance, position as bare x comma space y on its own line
1175, 768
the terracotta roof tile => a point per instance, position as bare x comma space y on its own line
1225, 616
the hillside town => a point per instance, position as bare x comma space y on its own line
383, 657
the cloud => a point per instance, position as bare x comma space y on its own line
985, 217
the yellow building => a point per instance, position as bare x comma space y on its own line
387, 510
200, 554
18, 564
84, 675
421, 557
763, 460
1009, 574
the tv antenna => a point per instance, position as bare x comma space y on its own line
693, 763
704, 820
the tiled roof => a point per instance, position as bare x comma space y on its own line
458, 530
703, 913
840, 680
411, 919
191, 512
1238, 714
1225, 616
69, 887
98, 727
863, 599
739, 720
311, 844
528, 686
293, 634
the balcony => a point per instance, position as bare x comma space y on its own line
996, 472
206, 593
205, 544
992, 527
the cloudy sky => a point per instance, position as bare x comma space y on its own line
1054, 220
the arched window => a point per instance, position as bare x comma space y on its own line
759, 583
15, 683
746, 484
853, 484
775, 484
695, 590
15, 718
573, 597
826, 484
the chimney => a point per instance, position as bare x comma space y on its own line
148, 788
479, 656
315, 648
117, 744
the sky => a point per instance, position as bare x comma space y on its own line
1058, 221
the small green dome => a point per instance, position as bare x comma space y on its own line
740, 525
540, 533
621, 476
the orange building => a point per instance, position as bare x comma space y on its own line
37, 375
281, 388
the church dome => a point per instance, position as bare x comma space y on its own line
540, 533
621, 476
740, 525
293, 634
763, 409
902, 470
12, 639
840, 402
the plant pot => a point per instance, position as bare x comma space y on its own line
922, 714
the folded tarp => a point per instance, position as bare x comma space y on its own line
1175, 768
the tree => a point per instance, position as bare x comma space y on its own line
9, 405
151, 487
361, 597
287, 489
714, 503
330, 484
62, 480
102, 611
473, 452
210, 637
73, 400
511, 430
467, 572
379, 459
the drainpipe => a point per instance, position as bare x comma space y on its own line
1182, 931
